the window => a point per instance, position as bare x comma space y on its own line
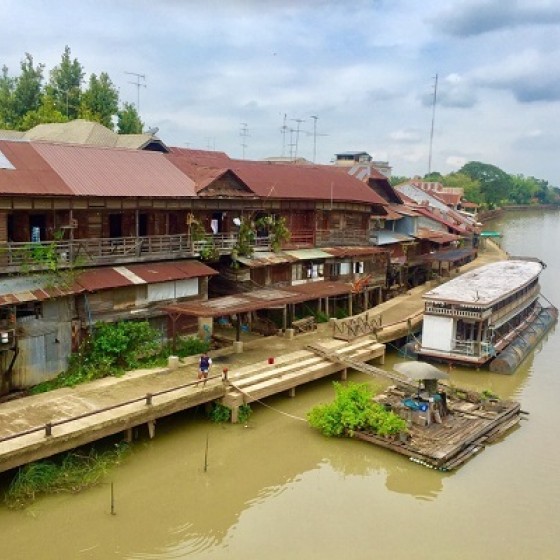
358, 268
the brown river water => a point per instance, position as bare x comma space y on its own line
276, 489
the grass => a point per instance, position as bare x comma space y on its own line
72, 473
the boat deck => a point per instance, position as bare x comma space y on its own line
464, 431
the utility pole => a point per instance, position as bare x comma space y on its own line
244, 134
138, 85
433, 121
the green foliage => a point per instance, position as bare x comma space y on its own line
128, 120
28, 88
65, 85
354, 409
244, 413
495, 184
112, 349
398, 179
73, 473
245, 238
487, 394
277, 230
100, 101
219, 413
45, 113
321, 317
191, 346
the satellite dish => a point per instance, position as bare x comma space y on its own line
237, 221
153, 130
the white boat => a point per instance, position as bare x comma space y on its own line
474, 317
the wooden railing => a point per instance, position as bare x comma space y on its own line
93, 252
325, 237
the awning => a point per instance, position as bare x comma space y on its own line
138, 274
265, 298
490, 234
451, 255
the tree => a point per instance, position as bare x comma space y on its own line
100, 102
46, 113
495, 184
28, 88
398, 179
434, 177
65, 85
7, 110
128, 120
470, 186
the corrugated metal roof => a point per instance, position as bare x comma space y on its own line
385, 237
31, 288
286, 180
91, 171
436, 236
307, 254
120, 276
31, 173
353, 251
266, 258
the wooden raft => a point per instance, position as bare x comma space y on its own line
470, 425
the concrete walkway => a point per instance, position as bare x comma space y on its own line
29, 413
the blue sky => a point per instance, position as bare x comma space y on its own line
365, 68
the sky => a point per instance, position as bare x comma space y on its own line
313, 78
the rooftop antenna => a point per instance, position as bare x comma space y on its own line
138, 85
299, 121
244, 134
433, 121
283, 131
315, 134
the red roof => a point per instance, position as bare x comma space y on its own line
283, 180
94, 171
31, 173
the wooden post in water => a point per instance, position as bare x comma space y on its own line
206, 455
112, 500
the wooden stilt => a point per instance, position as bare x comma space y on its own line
152, 428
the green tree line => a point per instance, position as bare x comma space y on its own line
490, 186
29, 98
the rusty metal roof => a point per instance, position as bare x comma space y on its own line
353, 251
31, 174
266, 258
436, 236
259, 299
95, 171
120, 276
238, 303
32, 288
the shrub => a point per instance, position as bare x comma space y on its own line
354, 409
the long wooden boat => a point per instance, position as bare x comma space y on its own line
474, 317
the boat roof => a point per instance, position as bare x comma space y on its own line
490, 283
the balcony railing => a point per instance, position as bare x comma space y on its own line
326, 238
104, 251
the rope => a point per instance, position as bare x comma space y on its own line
266, 405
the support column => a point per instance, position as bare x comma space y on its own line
152, 429
350, 298
344, 374
235, 415
292, 392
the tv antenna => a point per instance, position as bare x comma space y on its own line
433, 121
283, 130
297, 131
138, 85
244, 135
315, 134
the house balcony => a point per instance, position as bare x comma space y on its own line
341, 237
45, 255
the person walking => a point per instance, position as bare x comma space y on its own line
204, 365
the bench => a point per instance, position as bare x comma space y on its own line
307, 324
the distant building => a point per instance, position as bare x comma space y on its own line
351, 159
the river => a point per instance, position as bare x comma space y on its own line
276, 489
